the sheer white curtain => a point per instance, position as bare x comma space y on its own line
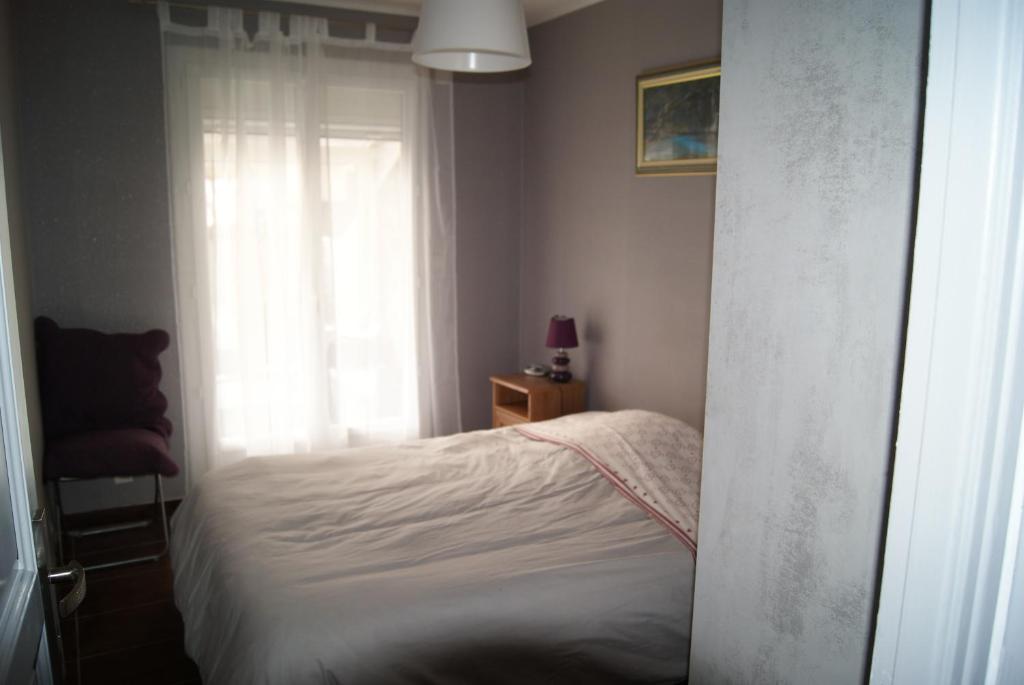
314, 239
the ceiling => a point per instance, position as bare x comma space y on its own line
537, 11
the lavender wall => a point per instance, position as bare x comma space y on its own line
95, 189
488, 162
629, 257
95, 186
551, 217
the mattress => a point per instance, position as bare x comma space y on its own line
500, 556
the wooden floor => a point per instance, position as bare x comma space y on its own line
127, 629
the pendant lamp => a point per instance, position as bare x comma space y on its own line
472, 35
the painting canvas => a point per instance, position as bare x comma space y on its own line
677, 121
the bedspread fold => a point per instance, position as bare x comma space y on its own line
652, 460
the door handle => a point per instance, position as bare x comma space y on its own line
72, 573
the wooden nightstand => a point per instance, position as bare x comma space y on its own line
518, 398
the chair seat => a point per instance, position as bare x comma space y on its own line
109, 453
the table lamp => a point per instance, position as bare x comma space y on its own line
561, 335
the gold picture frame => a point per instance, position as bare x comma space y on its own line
677, 120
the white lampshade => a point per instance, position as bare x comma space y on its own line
472, 35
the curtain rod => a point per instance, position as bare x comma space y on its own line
334, 15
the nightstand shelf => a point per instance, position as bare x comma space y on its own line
518, 398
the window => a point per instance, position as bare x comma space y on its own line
312, 237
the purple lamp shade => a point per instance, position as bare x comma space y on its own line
562, 332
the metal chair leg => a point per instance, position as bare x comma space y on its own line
158, 501
163, 514
54, 488
159, 497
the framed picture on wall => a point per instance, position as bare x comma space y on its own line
677, 120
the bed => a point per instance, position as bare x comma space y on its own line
552, 552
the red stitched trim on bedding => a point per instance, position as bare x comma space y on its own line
619, 484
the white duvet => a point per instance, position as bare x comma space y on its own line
484, 557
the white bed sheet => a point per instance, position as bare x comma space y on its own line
483, 557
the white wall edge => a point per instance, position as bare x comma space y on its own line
954, 523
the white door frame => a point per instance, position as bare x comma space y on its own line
22, 642
953, 566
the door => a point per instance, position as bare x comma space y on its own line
22, 647
22, 644
27, 600
951, 602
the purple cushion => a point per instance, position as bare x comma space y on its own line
91, 381
106, 453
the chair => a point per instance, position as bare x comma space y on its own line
103, 416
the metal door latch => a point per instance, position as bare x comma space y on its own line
72, 573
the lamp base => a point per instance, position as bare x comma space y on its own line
560, 368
